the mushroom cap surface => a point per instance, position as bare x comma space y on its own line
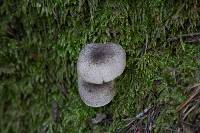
96, 95
99, 63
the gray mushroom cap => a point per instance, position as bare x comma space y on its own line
96, 95
99, 63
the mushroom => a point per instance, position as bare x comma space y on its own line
99, 63
96, 95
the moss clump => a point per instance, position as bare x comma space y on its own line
40, 42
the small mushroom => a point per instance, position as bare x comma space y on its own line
99, 63
96, 95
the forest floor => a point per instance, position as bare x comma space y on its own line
39, 46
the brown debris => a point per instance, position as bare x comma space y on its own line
190, 111
99, 119
189, 38
144, 122
55, 112
195, 93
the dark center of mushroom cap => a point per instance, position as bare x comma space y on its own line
101, 53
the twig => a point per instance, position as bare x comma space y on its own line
193, 87
170, 129
55, 111
146, 44
141, 114
137, 123
189, 124
188, 100
184, 35
62, 89
185, 109
191, 109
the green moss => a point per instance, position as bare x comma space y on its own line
40, 42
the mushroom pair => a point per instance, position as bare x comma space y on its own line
98, 65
